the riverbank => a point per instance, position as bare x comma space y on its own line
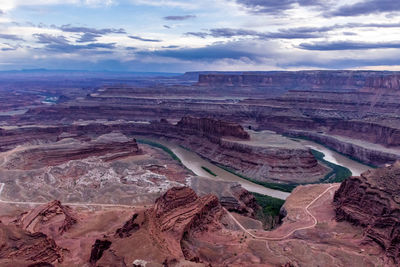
202, 167
330, 155
198, 166
363, 152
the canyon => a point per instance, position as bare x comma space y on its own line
92, 171
340, 103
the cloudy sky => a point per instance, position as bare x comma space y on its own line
189, 35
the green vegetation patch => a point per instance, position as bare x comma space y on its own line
208, 170
158, 145
270, 209
270, 205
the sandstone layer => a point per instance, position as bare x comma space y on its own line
212, 127
183, 229
231, 195
326, 80
252, 155
372, 201
366, 152
19, 247
106, 168
115, 144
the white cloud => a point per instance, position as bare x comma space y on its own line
169, 3
7, 5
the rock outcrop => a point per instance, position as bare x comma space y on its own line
19, 247
179, 213
231, 195
183, 229
372, 201
72, 149
320, 80
52, 218
212, 127
258, 158
364, 153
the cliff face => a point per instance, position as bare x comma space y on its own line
373, 202
209, 126
231, 195
250, 157
384, 81
213, 139
362, 153
13, 136
73, 149
52, 219
180, 213
21, 248
322, 80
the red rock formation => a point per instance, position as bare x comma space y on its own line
72, 149
391, 82
182, 227
52, 218
320, 80
250, 206
231, 195
263, 163
179, 213
212, 127
18, 246
373, 202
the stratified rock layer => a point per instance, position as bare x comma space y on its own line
180, 212
72, 149
21, 248
207, 126
322, 80
373, 202
52, 219
231, 195
259, 159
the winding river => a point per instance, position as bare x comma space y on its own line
355, 167
195, 163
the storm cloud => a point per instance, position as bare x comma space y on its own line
10, 37
277, 6
69, 28
144, 39
347, 45
366, 7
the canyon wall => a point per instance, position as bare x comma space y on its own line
110, 146
325, 80
372, 201
212, 139
263, 162
362, 153
209, 126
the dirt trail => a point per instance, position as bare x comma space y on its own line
315, 221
